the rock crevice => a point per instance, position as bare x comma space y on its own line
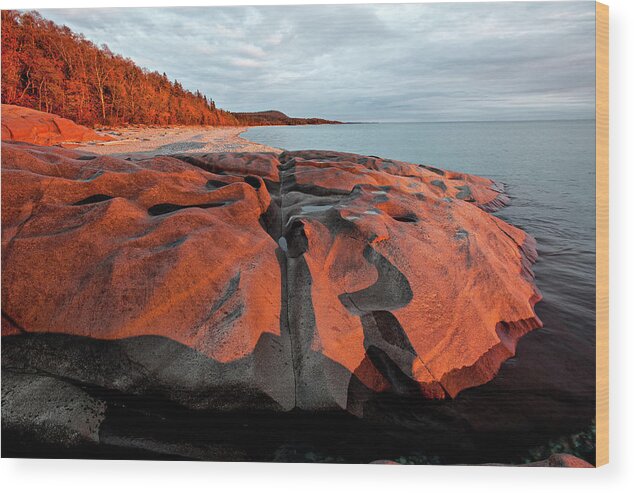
309, 280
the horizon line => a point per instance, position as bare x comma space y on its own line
473, 121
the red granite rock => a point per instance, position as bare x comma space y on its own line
562, 460
112, 249
312, 286
412, 281
38, 127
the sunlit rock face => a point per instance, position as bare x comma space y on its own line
308, 280
38, 127
398, 280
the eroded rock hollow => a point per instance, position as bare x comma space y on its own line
307, 280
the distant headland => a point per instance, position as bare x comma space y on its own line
274, 117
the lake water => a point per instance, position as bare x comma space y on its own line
547, 392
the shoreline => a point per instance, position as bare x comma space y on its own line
152, 141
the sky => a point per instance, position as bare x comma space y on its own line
408, 62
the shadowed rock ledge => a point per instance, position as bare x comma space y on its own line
308, 280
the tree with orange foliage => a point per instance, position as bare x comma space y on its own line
50, 68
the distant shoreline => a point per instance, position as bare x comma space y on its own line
147, 141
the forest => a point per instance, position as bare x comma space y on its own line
50, 68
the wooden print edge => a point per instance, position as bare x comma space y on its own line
602, 233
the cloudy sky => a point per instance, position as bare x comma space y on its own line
425, 62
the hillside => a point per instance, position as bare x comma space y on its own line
273, 117
50, 68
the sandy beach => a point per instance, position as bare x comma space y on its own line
172, 140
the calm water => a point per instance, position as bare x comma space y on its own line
547, 390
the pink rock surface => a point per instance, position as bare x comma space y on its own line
38, 127
314, 278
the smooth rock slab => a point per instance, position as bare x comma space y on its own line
309, 280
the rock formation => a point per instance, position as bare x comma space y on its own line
561, 460
555, 460
50, 411
309, 280
37, 127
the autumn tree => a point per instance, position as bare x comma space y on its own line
50, 68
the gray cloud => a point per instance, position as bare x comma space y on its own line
414, 62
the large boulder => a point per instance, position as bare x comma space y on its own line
310, 280
38, 127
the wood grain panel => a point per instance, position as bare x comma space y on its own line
602, 219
